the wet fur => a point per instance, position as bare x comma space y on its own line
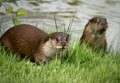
29, 41
94, 34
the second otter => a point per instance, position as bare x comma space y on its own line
28, 40
94, 33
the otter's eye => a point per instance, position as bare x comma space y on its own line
57, 39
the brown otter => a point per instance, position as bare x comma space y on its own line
94, 33
28, 40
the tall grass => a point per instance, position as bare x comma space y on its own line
80, 65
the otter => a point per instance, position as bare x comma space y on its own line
29, 41
94, 33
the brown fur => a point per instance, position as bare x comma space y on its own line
28, 40
94, 33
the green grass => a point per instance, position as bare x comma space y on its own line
80, 65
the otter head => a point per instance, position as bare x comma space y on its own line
98, 25
59, 40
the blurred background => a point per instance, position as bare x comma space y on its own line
41, 14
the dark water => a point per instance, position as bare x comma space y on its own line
41, 13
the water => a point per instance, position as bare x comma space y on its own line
41, 13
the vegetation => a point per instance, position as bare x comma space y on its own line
19, 12
80, 65
15, 15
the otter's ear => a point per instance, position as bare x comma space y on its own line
91, 20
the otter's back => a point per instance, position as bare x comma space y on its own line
23, 38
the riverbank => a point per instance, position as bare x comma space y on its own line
80, 65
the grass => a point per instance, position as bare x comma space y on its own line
80, 65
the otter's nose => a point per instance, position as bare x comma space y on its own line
63, 43
103, 22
